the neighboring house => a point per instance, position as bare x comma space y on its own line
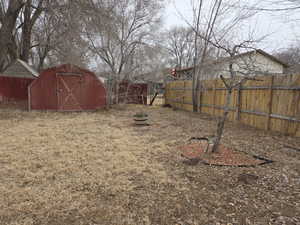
256, 62
20, 69
182, 74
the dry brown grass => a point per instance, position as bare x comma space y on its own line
97, 168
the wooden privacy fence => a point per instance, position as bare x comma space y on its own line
271, 104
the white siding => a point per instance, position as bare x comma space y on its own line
250, 64
269, 65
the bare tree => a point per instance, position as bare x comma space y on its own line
148, 59
9, 12
30, 13
240, 70
44, 37
116, 29
41, 30
58, 36
217, 33
200, 57
290, 56
180, 46
69, 43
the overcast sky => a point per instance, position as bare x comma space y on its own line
281, 33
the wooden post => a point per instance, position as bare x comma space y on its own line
270, 103
238, 103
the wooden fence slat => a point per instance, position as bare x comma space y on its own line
297, 88
182, 104
272, 106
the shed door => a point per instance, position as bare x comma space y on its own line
69, 92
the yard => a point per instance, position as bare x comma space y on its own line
97, 168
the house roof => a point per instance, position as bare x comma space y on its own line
134, 81
262, 52
20, 69
271, 57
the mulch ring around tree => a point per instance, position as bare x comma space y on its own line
195, 152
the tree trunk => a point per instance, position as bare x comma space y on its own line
195, 84
41, 63
110, 92
6, 31
26, 32
117, 91
26, 44
127, 92
221, 123
194, 94
29, 21
194, 91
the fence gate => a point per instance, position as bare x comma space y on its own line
69, 91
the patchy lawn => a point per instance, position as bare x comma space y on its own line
97, 168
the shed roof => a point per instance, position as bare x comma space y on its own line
20, 69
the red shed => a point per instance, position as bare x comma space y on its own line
67, 88
15, 80
13, 88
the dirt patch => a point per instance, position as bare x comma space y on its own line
224, 157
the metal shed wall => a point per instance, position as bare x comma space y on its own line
67, 88
13, 88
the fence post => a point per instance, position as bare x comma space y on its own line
238, 103
270, 103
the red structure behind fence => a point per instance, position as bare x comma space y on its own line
133, 93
